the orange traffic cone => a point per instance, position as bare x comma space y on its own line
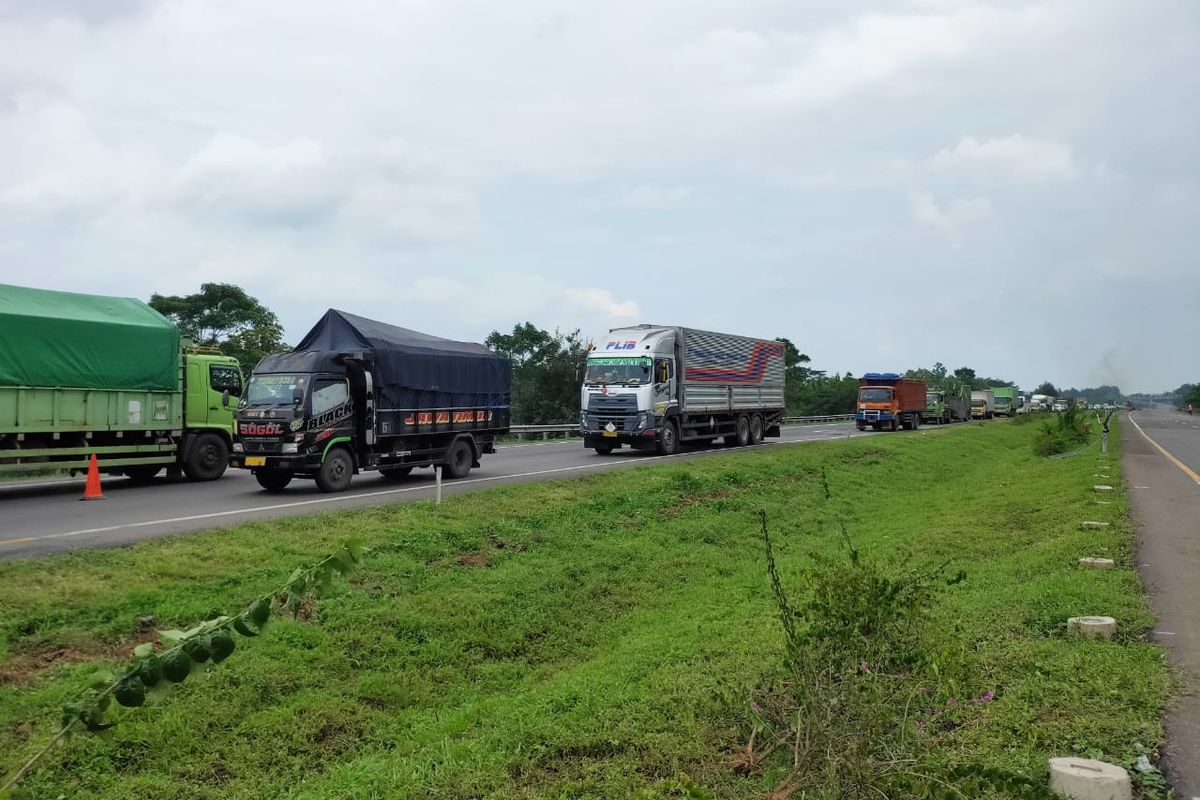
92, 490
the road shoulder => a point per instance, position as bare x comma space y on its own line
1166, 505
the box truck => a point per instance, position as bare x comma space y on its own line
888, 401
1005, 401
357, 395
983, 404
950, 402
657, 386
84, 375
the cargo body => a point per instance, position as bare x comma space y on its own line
887, 401
84, 375
655, 387
983, 404
357, 395
950, 402
1004, 400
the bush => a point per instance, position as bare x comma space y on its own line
1067, 432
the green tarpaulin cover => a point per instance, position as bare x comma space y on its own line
84, 341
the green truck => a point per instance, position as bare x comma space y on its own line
84, 375
950, 402
1006, 401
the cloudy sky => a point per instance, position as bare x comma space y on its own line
1013, 187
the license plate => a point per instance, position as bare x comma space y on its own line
613, 434
256, 461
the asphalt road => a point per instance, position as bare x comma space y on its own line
38, 518
1164, 488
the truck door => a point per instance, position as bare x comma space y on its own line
664, 384
223, 378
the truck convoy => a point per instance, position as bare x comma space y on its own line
1005, 399
888, 401
656, 386
983, 404
356, 394
110, 376
950, 402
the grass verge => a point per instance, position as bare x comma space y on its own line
587, 638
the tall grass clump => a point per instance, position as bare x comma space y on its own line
1068, 432
867, 691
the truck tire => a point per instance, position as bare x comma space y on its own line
458, 459
143, 473
603, 449
668, 439
741, 435
756, 430
336, 471
207, 459
273, 480
894, 426
861, 426
394, 473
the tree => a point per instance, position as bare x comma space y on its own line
1047, 388
966, 375
223, 315
546, 372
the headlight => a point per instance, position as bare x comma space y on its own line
237, 447
290, 447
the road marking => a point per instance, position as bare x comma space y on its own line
17, 541
1191, 473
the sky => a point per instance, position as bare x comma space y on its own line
1012, 187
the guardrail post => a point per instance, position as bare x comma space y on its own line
437, 476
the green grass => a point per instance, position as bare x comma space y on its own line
587, 638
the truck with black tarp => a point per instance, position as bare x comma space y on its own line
84, 375
357, 395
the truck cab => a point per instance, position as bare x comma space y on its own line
630, 384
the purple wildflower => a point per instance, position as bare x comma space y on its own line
864, 667
755, 707
986, 697
921, 725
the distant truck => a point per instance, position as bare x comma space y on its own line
1004, 400
983, 404
888, 401
1040, 402
950, 402
356, 395
84, 375
653, 387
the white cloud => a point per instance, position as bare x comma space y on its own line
1015, 157
654, 197
955, 217
602, 301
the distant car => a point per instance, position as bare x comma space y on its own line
1059, 405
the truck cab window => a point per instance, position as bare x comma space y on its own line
225, 378
663, 370
328, 395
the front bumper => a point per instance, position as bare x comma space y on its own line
286, 463
873, 415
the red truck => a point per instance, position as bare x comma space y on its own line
888, 401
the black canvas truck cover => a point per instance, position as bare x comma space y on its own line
411, 370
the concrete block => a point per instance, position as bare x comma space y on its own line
1096, 563
1103, 502
1102, 488
1088, 779
1092, 627
1091, 523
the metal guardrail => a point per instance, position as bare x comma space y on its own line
572, 428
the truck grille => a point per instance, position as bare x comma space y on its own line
260, 446
620, 410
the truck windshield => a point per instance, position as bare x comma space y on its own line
1003, 401
977, 402
617, 370
273, 390
932, 399
875, 395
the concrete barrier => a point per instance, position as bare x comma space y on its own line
1088, 779
1092, 627
1096, 563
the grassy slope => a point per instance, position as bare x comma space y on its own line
608, 641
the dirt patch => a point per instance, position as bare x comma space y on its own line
477, 559
692, 500
34, 660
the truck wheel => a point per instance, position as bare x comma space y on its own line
756, 430
860, 426
273, 480
208, 458
894, 425
603, 449
394, 473
336, 472
458, 460
142, 473
741, 435
668, 439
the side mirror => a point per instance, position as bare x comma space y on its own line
225, 399
298, 395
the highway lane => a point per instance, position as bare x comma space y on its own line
43, 517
